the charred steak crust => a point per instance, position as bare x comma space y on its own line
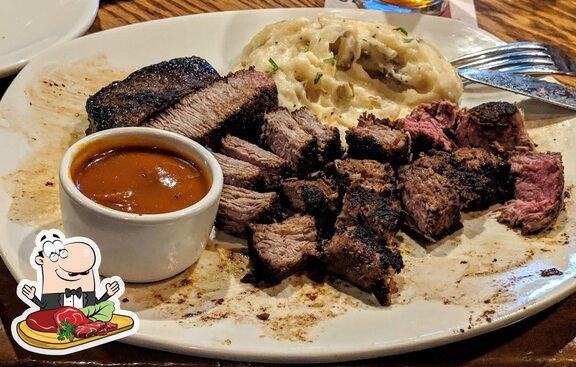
430, 202
349, 170
374, 139
286, 138
538, 192
147, 91
279, 250
239, 173
481, 178
328, 137
239, 207
313, 196
236, 104
495, 126
361, 257
272, 167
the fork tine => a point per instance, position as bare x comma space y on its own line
499, 64
510, 47
532, 69
505, 56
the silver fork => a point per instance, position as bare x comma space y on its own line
532, 58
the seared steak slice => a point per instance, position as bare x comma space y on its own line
272, 167
495, 126
284, 136
327, 137
373, 204
359, 256
279, 250
538, 191
428, 126
480, 177
239, 173
349, 170
147, 91
236, 103
313, 196
374, 139
430, 202
239, 207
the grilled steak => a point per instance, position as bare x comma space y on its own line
538, 191
285, 137
313, 196
272, 167
430, 202
239, 173
495, 126
236, 103
428, 126
349, 170
279, 250
239, 207
374, 139
372, 204
480, 177
327, 137
147, 91
362, 258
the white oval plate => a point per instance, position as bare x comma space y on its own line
28, 27
480, 279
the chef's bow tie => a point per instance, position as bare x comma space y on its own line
73, 292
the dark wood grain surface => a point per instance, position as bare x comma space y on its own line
546, 339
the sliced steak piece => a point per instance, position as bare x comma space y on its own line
279, 250
372, 138
146, 92
538, 191
327, 137
349, 170
236, 103
284, 136
495, 126
272, 167
313, 196
239, 207
372, 204
239, 173
428, 126
430, 202
481, 178
359, 256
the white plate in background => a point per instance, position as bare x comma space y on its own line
28, 27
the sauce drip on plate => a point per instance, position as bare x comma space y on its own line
141, 180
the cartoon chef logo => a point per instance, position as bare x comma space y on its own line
70, 309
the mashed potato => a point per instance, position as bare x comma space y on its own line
339, 68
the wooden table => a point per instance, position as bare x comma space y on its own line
548, 338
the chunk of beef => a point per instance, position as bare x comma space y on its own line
373, 204
146, 92
374, 139
272, 167
239, 173
239, 207
429, 126
327, 137
430, 202
480, 177
359, 256
538, 191
349, 170
284, 136
279, 250
314, 196
236, 103
495, 126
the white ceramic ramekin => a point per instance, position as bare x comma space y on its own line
140, 247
